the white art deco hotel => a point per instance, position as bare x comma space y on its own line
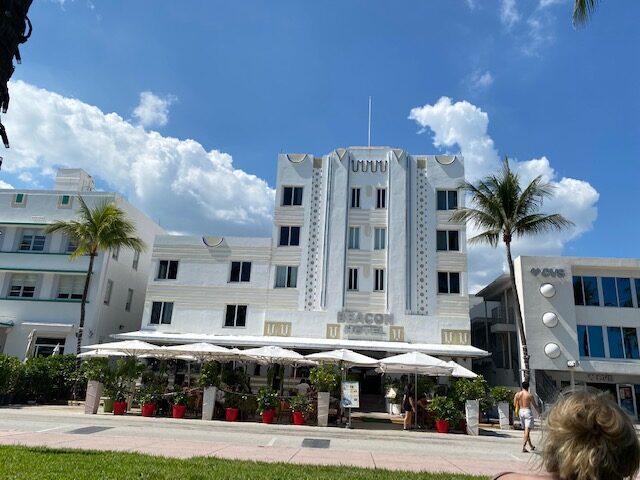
362, 256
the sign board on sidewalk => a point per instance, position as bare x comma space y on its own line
350, 395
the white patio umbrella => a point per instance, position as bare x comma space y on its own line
347, 357
131, 348
270, 354
101, 354
417, 363
461, 372
56, 350
200, 351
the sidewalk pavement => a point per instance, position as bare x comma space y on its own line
66, 427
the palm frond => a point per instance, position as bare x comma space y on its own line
492, 237
540, 223
582, 11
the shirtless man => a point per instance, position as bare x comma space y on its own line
523, 401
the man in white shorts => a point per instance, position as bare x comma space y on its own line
523, 401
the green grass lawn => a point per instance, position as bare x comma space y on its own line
17, 463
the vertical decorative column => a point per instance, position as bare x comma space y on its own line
421, 235
313, 245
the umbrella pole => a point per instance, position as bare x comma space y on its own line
415, 402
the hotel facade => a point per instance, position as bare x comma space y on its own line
581, 319
362, 255
41, 287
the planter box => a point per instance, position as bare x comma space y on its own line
178, 411
148, 409
92, 400
268, 416
209, 402
231, 414
298, 418
442, 426
119, 408
503, 415
107, 405
323, 409
472, 413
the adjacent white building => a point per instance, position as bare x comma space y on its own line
581, 318
41, 288
363, 255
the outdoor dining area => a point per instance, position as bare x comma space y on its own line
273, 384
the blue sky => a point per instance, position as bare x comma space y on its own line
247, 80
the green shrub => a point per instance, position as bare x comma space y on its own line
97, 369
469, 389
9, 372
324, 378
444, 408
267, 400
49, 379
209, 375
502, 394
300, 403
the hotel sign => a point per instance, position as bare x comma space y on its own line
364, 325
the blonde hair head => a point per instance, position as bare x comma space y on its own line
589, 437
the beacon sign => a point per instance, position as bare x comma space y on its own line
364, 325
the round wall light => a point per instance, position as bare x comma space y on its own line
552, 350
550, 319
547, 290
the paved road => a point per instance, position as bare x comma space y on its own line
368, 445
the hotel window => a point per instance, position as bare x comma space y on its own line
136, 260
447, 199
72, 245
637, 282
108, 291
19, 200
616, 292
45, 346
32, 241
286, 277
353, 279
354, 238
585, 291
448, 282
64, 201
378, 285
447, 240
235, 316
161, 313
291, 196
590, 341
379, 238
289, 236
355, 198
127, 306
381, 200
167, 270
71, 287
22, 285
623, 342
115, 253
240, 272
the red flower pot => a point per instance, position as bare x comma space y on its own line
119, 408
178, 411
267, 416
231, 414
148, 409
298, 418
442, 426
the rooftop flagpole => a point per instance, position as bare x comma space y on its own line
369, 136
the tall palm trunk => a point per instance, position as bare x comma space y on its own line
83, 303
518, 310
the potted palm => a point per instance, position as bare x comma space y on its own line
503, 397
300, 405
324, 379
468, 393
179, 402
267, 402
445, 412
209, 381
97, 373
119, 400
231, 404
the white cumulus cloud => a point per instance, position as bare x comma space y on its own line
509, 14
5, 185
465, 126
178, 182
153, 110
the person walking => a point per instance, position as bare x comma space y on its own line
408, 404
523, 402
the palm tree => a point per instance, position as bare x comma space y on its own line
582, 11
504, 210
99, 228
